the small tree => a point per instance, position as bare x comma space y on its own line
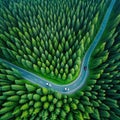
46, 105
70, 76
43, 99
45, 91
51, 108
50, 98
73, 106
47, 70
70, 116
42, 70
36, 50
70, 62
66, 45
67, 108
64, 76
56, 71
36, 68
29, 64
58, 95
72, 71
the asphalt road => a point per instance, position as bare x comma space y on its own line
81, 79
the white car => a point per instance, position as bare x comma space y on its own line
66, 89
48, 84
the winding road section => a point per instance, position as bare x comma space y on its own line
81, 79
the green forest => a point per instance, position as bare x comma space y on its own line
50, 38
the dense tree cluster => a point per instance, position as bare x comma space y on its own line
49, 37
98, 100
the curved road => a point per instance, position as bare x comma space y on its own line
81, 79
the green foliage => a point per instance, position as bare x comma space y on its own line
30, 88
13, 98
46, 105
73, 106
6, 116
24, 106
25, 40
43, 99
36, 97
44, 44
50, 98
45, 91
67, 108
17, 87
